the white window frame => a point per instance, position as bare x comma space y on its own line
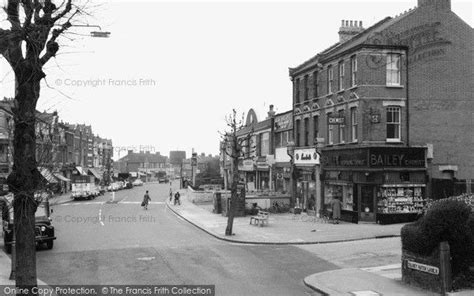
354, 124
353, 70
393, 69
341, 70
342, 127
394, 109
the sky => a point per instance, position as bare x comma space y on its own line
171, 71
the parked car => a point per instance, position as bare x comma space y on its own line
44, 230
128, 185
163, 180
137, 182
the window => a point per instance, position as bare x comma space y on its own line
353, 71
297, 91
393, 69
354, 124
330, 131
306, 131
265, 144
341, 75
330, 79
342, 128
278, 139
298, 123
315, 84
393, 124
306, 88
316, 127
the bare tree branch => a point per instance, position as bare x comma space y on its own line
13, 13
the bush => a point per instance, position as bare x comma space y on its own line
448, 220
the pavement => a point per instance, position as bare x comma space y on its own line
290, 229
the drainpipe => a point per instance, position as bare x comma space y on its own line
408, 101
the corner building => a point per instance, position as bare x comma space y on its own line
389, 109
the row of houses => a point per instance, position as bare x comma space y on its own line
381, 120
61, 148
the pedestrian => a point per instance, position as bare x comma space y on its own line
176, 198
171, 194
146, 199
336, 206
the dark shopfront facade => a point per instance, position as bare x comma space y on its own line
375, 184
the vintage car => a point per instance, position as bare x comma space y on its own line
44, 230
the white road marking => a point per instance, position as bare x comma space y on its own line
139, 202
100, 217
146, 258
81, 203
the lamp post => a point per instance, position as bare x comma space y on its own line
193, 164
290, 150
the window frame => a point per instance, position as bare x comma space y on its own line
315, 84
330, 130
353, 62
341, 128
330, 74
354, 124
341, 72
399, 123
391, 71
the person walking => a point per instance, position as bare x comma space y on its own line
336, 206
146, 199
171, 194
176, 198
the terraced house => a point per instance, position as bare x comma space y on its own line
389, 111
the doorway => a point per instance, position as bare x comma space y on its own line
367, 203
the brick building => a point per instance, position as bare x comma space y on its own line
389, 110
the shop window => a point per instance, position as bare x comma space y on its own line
393, 69
393, 124
353, 71
278, 139
404, 176
265, 144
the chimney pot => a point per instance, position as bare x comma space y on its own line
347, 23
342, 23
350, 23
360, 24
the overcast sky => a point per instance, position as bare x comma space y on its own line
171, 71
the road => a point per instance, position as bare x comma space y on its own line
112, 240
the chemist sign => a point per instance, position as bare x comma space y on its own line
307, 156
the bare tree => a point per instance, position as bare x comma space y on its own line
29, 43
237, 146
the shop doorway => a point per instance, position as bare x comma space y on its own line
367, 203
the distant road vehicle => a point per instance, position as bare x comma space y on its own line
163, 180
137, 182
84, 187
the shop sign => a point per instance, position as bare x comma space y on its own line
336, 120
396, 157
376, 157
284, 122
246, 165
423, 267
306, 156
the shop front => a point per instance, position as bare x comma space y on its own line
248, 174
376, 184
306, 163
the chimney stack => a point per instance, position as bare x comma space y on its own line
271, 113
436, 4
349, 29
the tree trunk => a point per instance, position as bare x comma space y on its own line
24, 178
233, 196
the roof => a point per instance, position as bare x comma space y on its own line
258, 126
356, 40
144, 157
95, 173
47, 175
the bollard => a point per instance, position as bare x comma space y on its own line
445, 267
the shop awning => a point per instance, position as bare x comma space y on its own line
47, 175
95, 173
61, 178
81, 171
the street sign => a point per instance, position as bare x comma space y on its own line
423, 267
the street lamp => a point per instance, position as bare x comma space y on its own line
290, 150
193, 164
